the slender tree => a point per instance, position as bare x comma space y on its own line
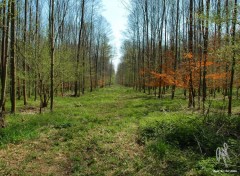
176, 47
205, 54
52, 56
190, 50
12, 56
234, 21
79, 49
4, 59
25, 50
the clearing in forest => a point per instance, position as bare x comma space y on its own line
107, 132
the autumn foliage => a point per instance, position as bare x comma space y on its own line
180, 77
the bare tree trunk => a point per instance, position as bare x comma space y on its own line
90, 51
190, 49
83, 60
28, 66
176, 49
227, 43
160, 48
52, 56
24, 59
36, 47
78, 49
205, 53
96, 63
4, 60
12, 57
110, 70
200, 24
234, 21
146, 21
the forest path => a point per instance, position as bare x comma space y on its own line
110, 146
92, 135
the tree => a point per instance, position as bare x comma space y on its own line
4, 60
24, 59
12, 57
79, 49
176, 47
43, 62
234, 21
205, 54
52, 55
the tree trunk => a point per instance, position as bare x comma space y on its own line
234, 21
36, 48
12, 57
190, 50
83, 59
78, 49
176, 49
24, 58
4, 61
205, 54
52, 56
200, 24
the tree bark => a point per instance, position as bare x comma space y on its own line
79, 48
4, 60
36, 47
205, 55
191, 102
176, 48
234, 21
12, 57
52, 56
25, 50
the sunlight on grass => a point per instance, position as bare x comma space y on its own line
114, 131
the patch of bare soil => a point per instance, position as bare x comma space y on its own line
29, 110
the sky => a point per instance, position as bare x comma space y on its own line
116, 14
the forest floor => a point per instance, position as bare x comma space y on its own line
112, 131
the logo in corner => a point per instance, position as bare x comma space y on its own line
222, 154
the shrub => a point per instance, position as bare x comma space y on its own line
196, 134
158, 148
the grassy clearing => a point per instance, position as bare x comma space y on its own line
115, 131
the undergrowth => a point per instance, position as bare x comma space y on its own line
117, 131
191, 141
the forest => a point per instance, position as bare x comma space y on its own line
171, 107
52, 48
188, 46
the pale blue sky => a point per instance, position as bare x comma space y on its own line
116, 14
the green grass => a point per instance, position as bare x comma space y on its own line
113, 131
